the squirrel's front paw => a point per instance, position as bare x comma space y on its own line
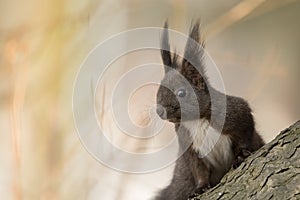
193, 196
240, 157
199, 190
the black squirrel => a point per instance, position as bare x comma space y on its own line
195, 171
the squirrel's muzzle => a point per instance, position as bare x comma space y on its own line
161, 111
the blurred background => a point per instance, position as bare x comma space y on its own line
255, 44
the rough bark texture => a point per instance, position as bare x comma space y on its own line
273, 172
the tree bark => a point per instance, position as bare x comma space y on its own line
272, 172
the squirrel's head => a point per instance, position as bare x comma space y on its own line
183, 93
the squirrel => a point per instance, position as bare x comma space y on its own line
195, 170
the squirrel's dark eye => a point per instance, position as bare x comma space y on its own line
181, 92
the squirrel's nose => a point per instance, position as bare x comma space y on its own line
161, 111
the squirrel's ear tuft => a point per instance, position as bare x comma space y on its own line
192, 63
194, 48
165, 48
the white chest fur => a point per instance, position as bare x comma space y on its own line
212, 146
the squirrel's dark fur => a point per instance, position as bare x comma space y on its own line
195, 171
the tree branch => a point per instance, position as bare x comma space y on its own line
272, 172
